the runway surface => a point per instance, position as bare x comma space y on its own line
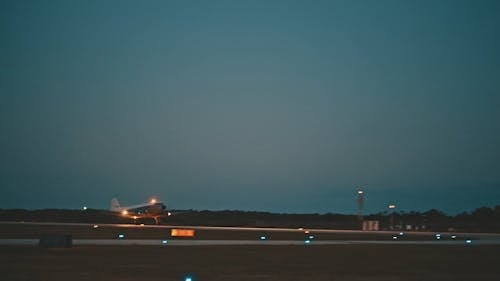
117, 234
144, 242
123, 252
259, 229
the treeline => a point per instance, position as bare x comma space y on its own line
264, 219
483, 219
62, 215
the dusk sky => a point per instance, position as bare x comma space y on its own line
282, 106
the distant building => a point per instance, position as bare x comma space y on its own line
370, 225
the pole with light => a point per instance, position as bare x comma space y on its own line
392, 207
361, 200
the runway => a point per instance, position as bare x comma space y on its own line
29, 233
145, 242
116, 252
257, 229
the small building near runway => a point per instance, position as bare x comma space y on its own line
371, 225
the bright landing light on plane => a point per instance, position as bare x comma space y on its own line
153, 201
124, 212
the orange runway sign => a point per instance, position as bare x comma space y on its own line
182, 232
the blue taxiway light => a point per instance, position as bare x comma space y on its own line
164, 242
263, 238
188, 279
468, 241
307, 242
121, 236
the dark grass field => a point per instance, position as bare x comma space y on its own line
335, 262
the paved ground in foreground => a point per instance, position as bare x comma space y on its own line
330, 262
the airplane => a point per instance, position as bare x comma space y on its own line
153, 209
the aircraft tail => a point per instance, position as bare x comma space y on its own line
115, 205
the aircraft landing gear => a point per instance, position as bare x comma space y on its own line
157, 220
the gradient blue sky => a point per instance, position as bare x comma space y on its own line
284, 106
